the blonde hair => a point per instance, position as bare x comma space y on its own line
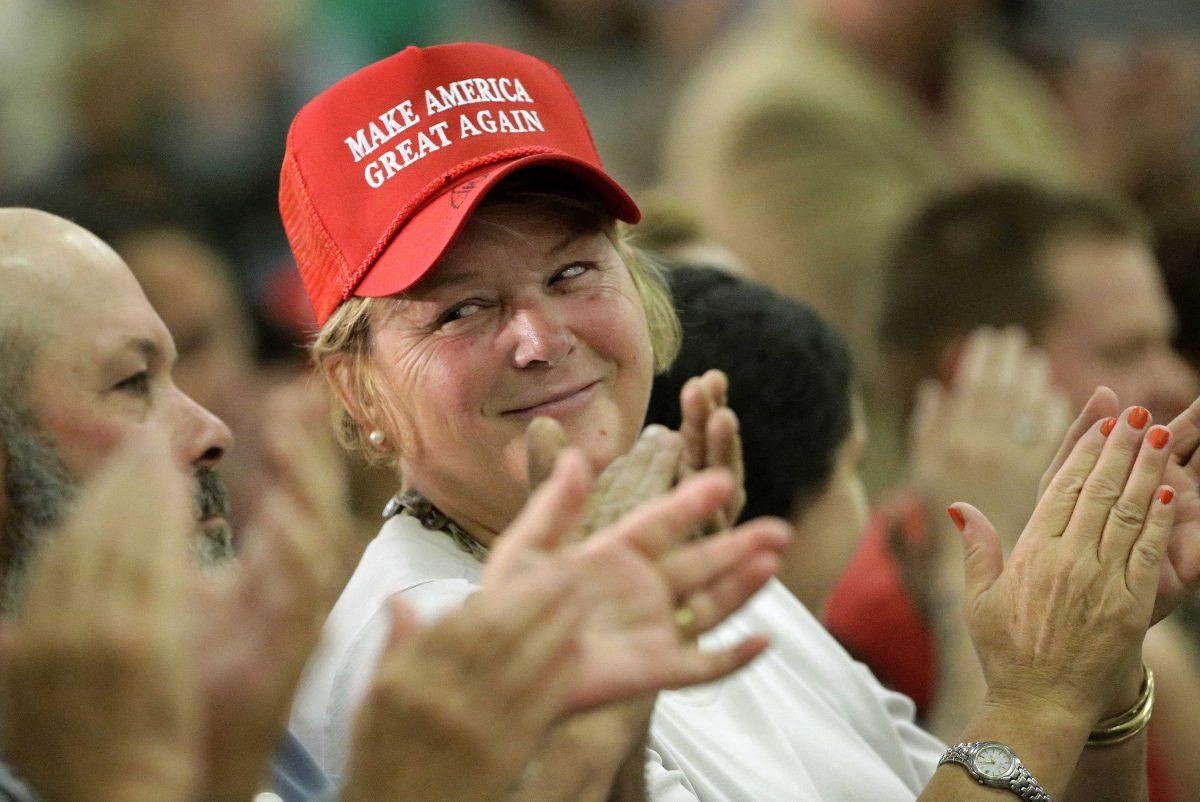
344, 344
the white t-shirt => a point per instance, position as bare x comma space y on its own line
802, 722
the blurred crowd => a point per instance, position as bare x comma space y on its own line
915, 236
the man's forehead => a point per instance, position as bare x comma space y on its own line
65, 287
1107, 282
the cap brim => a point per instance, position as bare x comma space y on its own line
429, 232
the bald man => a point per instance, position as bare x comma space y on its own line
85, 363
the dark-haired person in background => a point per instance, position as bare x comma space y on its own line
791, 381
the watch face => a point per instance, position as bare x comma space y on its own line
994, 761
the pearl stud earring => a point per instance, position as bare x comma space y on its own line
376, 437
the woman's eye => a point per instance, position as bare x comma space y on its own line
571, 271
461, 311
138, 383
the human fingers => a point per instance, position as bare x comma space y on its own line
926, 411
1032, 379
404, 625
1102, 404
717, 384
496, 618
1010, 357
983, 559
543, 440
978, 361
1127, 518
724, 447
540, 652
660, 523
1061, 492
662, 470
649, 470
1105, 484
1056, 414
1150, 549
553, 510
1030, 400
694, 565
726, 593
694, 406
1185, 432
694, 666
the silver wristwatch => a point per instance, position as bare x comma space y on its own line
993, 764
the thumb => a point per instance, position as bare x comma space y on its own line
982, 559
405, 625
543, 440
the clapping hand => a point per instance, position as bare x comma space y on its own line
638, 572
99, 695
1059, 627
1180, 575
261, 618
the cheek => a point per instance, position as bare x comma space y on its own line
611, 323
83, 440
435, 391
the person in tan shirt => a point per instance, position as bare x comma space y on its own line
810, 134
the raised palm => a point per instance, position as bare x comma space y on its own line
1181, 570
635, 573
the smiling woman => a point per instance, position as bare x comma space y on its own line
536, 309
589, 258
484, 289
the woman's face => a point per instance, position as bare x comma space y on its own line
522, 317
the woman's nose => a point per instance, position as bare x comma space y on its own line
540, 337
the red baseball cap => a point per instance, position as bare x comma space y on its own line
382, 169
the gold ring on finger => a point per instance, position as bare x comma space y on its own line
684, 617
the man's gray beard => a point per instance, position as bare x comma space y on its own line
40, 490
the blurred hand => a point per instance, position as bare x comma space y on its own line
648, 470
456, 711
1180, 573
711, 439
1060, 626
637, 572
988, 437
558, 629
262, 618
97, 686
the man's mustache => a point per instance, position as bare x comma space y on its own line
212, 498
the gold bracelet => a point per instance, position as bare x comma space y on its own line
1115, 730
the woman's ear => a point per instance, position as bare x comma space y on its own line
348, 387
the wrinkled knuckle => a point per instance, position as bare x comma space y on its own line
1127, 514
1148, 553
1067, 483
1102, 489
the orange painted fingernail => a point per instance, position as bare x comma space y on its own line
1158, 436
1165, 495
957, 517
1138, 417
1107, 427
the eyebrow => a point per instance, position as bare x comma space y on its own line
148, 348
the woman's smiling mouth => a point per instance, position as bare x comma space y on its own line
563, 402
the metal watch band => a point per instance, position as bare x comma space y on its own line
1020, 783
